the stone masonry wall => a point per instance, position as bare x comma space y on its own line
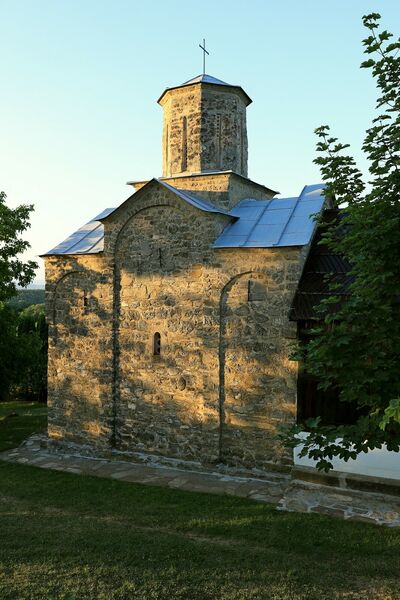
224, 190
204, 130
222, 381
79, 315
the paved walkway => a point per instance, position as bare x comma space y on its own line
264, 490
280, 489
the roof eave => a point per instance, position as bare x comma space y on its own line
187, 85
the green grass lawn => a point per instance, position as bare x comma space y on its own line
73, 537
18, 420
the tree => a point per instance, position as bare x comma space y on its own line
30, 380
355, 348
8, 349
23, 352
13, 271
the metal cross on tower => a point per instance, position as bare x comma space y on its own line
203, 47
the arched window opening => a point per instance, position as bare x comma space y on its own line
157, 344
85, 299
184, 144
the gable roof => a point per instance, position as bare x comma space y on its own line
274, 223
278, 222
194, 200
89, 239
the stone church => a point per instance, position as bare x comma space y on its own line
169, 328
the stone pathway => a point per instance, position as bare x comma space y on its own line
348, 504
280, 489
264, 490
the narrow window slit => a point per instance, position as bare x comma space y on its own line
167, 146
218, 127
184, 144
157, 344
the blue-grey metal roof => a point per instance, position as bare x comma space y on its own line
256, 223
89, 239
194, 200
205, 79
273, 223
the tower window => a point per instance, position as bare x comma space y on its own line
166, 146
157, 344
242, 157
184, 144
85, 300
218, 128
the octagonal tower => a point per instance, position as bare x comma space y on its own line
204, 127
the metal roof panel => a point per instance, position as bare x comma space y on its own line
205, 79
256, 223
88, 239
275, 223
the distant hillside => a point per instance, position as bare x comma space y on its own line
27, 297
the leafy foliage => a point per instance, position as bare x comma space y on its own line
13, 271
355, 348
23, 352
25, 298
23, 339
8, 350
32, 341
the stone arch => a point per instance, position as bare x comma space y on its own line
250, 365
78, 372
56, 295
146, 206
141, 205
115, 243
155, 395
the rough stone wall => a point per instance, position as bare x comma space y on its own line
222, 381
223, 131
258, 382
204, 130
180, 104
79, 315
224, 190
172, 283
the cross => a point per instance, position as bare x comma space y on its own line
203, 47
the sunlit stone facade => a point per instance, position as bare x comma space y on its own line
161, 344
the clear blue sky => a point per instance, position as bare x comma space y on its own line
80, 80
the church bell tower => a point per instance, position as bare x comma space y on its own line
204, 127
